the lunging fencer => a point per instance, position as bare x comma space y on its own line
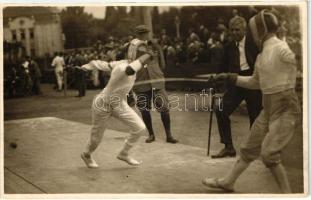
112, 102
275, 76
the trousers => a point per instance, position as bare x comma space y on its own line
103, 109
273, 128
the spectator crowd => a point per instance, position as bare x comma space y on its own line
201, 48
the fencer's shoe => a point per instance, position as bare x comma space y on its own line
89, 161
225, 152
129, 160
171, 140
150, 139
215, 183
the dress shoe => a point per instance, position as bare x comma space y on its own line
150, 139
226, 152
171, 140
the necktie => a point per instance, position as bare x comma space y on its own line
237, 54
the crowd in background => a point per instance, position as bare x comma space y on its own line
201, 47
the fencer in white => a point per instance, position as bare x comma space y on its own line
112, 102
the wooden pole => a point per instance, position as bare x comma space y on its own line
65, 81
177, 22
147, 19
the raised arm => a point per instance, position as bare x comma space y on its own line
53, 62
97, 65
136, 65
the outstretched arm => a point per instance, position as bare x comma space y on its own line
249, 82
96, 65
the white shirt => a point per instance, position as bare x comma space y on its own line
58, 62
119, 84
243, 62
275, 68
26, 65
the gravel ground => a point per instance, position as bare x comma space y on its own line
189, 126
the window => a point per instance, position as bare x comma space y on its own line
23, 35
31, 33
33, 52
14, 36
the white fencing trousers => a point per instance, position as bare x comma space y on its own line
102, 110
59, 78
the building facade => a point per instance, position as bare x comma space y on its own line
37, 29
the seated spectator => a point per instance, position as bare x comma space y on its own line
216, 52
194, 49
170, 56
181, 53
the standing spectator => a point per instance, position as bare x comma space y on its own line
151, 91
282, 31
27, 78
204, 34
81, 74
9, 75
59, 63
70, 59
111, 52
235, 13
35, 74
240, 56
223, 33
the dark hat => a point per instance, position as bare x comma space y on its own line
142, 29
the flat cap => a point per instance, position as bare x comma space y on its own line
142, 29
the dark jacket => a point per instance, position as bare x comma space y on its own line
232, 59
34, 69
152, 72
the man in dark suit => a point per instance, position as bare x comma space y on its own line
239, 57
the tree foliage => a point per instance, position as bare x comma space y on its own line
82, 29
76, 26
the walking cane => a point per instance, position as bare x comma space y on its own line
212, 92
210, 125
209, 78
65, 81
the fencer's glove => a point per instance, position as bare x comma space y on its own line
151, 53
226, 78
129, 71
